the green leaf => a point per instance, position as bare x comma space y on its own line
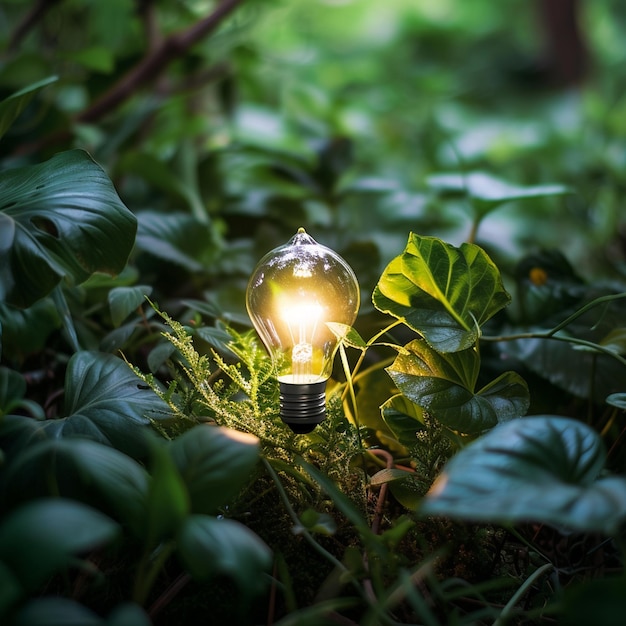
347, 334
11, 107
489, 192
215, 463
43, 536
444, 385
403, 417
315, 522
12, 389
177, 238
61, 218
105, 401
167, 503
208, 546
543, 469
125, 300
618, 400
54, 611
10, 589
25, 331
443, 293
58, 611
83, 470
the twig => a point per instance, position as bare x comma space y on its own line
166, 597
30, 20
149, 68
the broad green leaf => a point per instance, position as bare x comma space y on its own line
12, 389
43, 536
403, 417
168, 500
83, 470
105, 401
209, 546
442, 292
61, 218
177, 238
444, 385
11, 107
124, 300
10, 589
54, 611
315, 522
25, 331
543, 469
489, 192
618, 400
59, 611
347, 334
214, 463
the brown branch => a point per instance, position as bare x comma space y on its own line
151, 66
29, 21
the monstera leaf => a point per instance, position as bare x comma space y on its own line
443, 293
543, 469
62, 218
444, 385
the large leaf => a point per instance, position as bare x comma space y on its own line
489, 192
43, 536
61, 218
11, 107
168, 500
25, 331
59, 611
208, 546
12, 392
83, 470
177, 238
105, 401
444, 385
543, 469
442, 292
215, 463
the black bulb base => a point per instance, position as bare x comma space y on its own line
302, 406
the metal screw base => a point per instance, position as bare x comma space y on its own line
302, 406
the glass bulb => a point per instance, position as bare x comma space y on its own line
294, 291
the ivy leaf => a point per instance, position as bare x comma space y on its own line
214, 463
61, 218
543, 469
442, 292
105, 401
208, 546
443, 385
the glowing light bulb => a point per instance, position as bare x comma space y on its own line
295, 290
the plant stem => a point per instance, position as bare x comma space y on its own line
148, 570
510, 605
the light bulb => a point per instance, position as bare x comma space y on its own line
294, 291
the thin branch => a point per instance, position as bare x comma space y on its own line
29, 21
151, 66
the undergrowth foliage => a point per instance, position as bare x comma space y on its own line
236, 388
